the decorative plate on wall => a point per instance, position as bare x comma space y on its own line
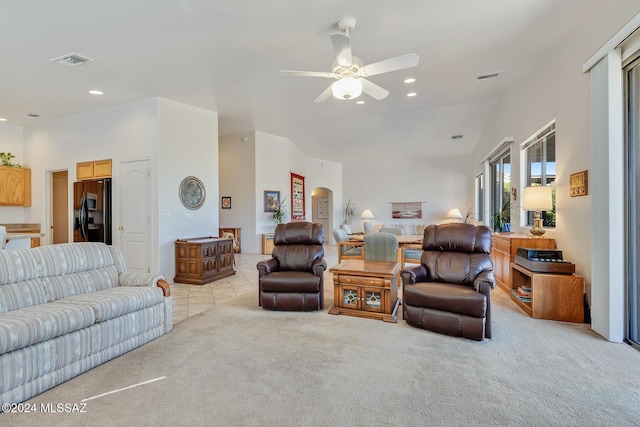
192, 192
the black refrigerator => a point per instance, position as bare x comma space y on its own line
92, 211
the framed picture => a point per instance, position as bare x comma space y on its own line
406, 210
297, 197
226, 202
271, 200
191, 192
579, 184
323, 208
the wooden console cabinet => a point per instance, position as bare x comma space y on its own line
203, 259
503, 252
553, 296
366, 289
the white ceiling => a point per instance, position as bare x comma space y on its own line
225, 55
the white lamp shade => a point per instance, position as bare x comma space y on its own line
454, 214
535, 198
347, 88
367, 214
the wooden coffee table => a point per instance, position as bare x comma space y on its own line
366, 289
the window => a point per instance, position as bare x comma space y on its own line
500, 192
633, 201
479, 197
540, 168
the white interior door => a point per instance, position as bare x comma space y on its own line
135, 220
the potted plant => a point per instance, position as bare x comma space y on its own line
280, 214
5, 159
348, 211
501, 220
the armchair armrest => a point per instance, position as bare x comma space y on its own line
351, 244
484, 279
411, 275
267, 266
318, 267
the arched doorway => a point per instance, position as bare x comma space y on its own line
322, 211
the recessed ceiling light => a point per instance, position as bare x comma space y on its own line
411, 94
360, 102
410, 80
96, 92
2, 119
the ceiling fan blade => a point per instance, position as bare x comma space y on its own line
393, 64
308, 74
324, 95
342, 48
373, 90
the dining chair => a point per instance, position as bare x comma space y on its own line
347, 249
381, 247
393, 230
346, 228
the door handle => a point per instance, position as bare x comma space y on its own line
121, 228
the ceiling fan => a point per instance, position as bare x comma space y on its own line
349, 71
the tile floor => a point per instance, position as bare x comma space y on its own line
189, 300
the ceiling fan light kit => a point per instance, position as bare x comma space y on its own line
347, 88
349, 71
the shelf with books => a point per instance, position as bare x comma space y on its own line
547, 295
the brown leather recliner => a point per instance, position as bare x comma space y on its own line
293, 279
450, 291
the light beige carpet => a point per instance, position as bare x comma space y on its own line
240, 365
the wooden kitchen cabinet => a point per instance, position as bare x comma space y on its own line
203, 259
15, 186
93, 170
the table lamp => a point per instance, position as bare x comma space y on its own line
367, 215
455, 215
537, 199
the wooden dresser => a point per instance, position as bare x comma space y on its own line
503, 252
203, 259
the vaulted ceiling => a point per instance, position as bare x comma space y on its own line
225, 55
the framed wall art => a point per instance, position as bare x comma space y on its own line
406, 210
226, 202
323, 208
271, 200
297, 197
579, 184
191, 193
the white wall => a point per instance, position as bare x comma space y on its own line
179, 140
442, 183
11, 142
187, 146
237, 166
559, 90
119, 133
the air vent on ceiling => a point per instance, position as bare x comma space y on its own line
71, 60
488, 76
32, 115
455, 137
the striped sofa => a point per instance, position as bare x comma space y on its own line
67, 308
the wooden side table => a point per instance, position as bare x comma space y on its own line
237, 244
553, 296
366, 289
267, 243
